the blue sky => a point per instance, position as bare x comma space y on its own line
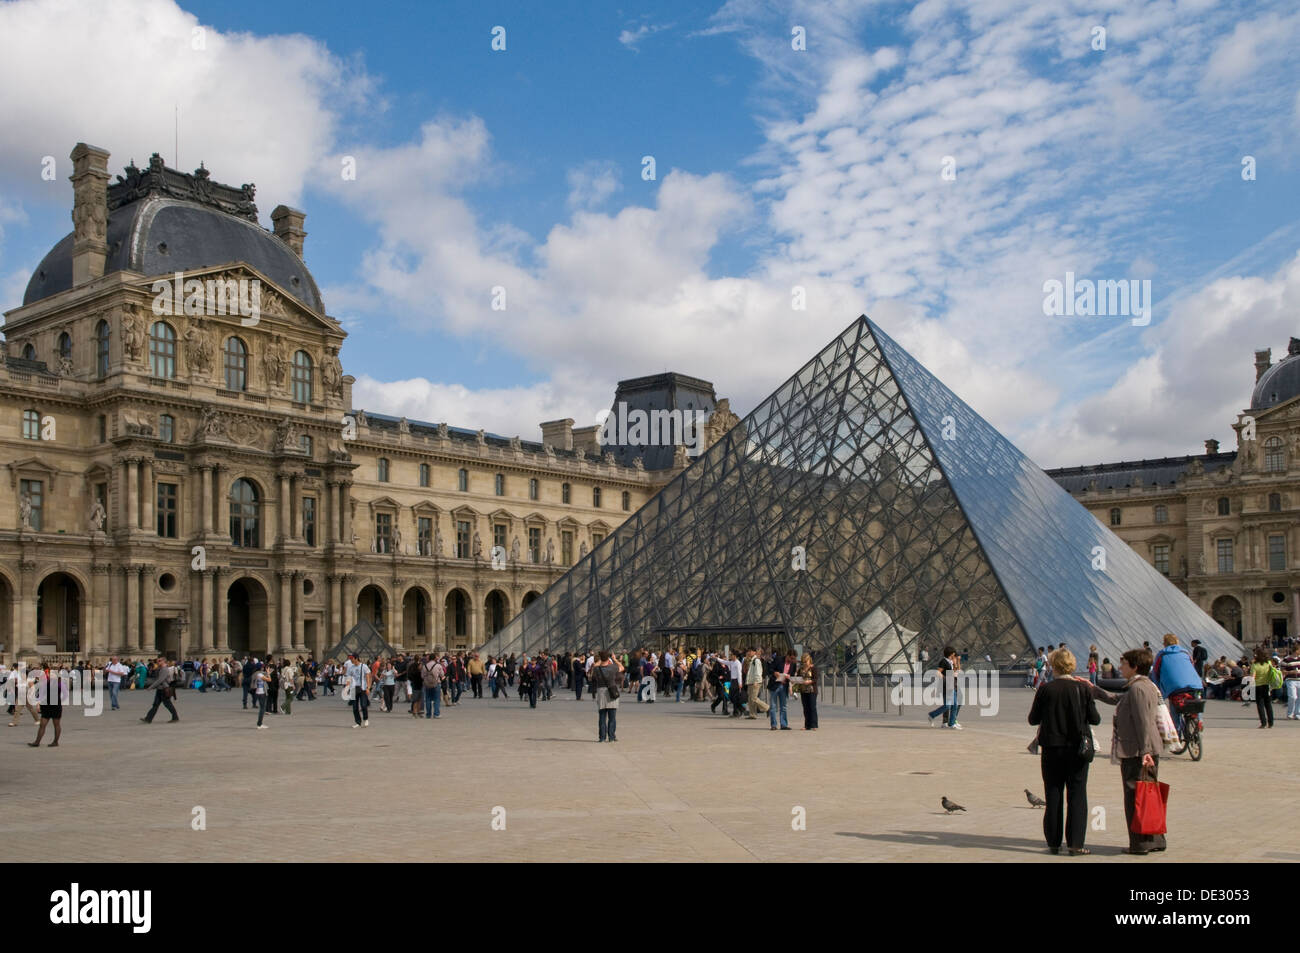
819, 168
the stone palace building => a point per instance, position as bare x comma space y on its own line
1223, 526
186, 472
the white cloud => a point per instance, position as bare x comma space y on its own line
592, 184
632, 38
111, 72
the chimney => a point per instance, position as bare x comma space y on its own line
89, 212
288, 227
1263, 360
1211, 447
558, 433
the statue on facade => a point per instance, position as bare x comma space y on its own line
214, 424
720, 421
397, 540
680, 457
478, 545
1200, 563
274, 363
132, 338
481, 438
331, 372
25, 510
285, 436
437, 542
514, 551
638, 463
403, 426
96, 518
516, 444
582, 550
198, 347
550, 551
443, 432
66, 368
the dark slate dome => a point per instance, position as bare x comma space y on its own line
1280, 382
161, 221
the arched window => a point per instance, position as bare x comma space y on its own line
1224, 506
1162, 514
102, 335
1275, 502
500, 484
1274, 458
462, 480
166, 428
302, 377
595, 496
65, 346
244, 515
532, 489
1114, 516
236, 362
383, 469
627, 501
424, 474
31, 424
162, 350
564, 493
29, 352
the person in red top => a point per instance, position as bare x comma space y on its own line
778, 687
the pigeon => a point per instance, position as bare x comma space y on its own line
949, 806
1034, 799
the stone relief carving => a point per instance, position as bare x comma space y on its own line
95, 518
214, 423
286, 436
331, 373
132, 338
273, 362
198, 348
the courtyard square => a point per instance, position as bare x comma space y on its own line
679, 785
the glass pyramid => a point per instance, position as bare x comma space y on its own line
864, 512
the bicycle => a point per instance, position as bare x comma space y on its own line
1189, 710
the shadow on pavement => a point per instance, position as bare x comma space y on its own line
1017, 845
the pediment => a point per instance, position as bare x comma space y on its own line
384, 503
277, 305
30, 467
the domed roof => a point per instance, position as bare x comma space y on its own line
1280, 382
161, 221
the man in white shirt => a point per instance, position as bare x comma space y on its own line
359, 676
737, 700
113, 673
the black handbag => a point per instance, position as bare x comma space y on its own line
1087, 743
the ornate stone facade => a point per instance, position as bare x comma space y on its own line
1225, 527
198, 485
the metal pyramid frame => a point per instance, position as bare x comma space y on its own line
364, 640
867, 512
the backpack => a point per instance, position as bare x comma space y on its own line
609, 679
430, 677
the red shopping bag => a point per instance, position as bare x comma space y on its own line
1149, 804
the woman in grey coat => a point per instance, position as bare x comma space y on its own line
606, 677
1137, 740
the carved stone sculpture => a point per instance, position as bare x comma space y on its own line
582, 550
550, 551
397, 540
273, 362
437, 542
214, 423
403, 426
331, 373
514, 550
478, 546
286, 437
95, 519
198, 348
132, 338
25, 510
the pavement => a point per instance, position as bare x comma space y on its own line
493, 780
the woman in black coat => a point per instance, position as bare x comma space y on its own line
1063, 709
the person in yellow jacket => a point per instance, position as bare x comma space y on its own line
1262, 671
476, 670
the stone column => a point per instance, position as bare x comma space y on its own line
286, 619
334, 609
222, 493
96, 641
296, 624
329, 515
345, 501
150, 494
25, 631
146, 609
116, 610
205, 515
349, 603
221, 635
130, 518
282, 509
201, 611
131, 636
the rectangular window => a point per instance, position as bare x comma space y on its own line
31, 492
597, 539
103, 428
1224, 547
383, 532
424, 535
462, 539
166, 428
309, 520
1277, 553
499, 531
167, 510
534, 544
566, 547
1161, 553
